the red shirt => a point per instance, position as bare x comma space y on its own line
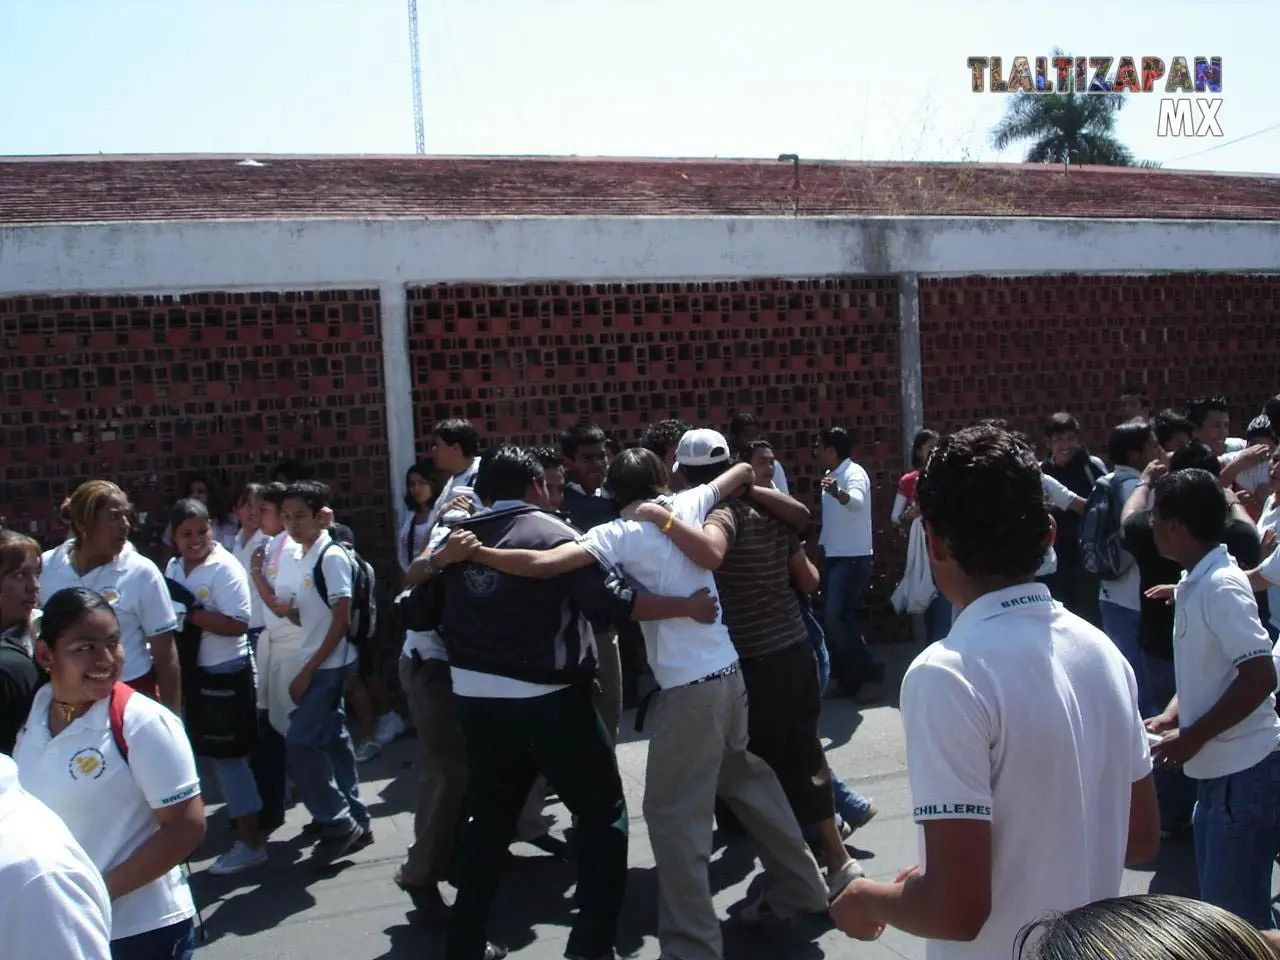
907, 486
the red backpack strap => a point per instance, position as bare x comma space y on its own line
120, 695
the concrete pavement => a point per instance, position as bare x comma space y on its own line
289, 911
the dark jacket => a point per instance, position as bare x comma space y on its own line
19, 680
532, 630
587, 511
1078, 475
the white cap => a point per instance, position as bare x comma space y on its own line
701, 448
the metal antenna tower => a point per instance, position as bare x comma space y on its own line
419, 123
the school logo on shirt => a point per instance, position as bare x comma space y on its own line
306, 582
1025, 600
203, 594
480, 581
88, 764
951, 810
111, 595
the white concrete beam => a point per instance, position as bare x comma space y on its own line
911, 361
314, 254
397, 381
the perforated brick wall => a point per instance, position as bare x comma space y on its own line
1025, 348
523, 362
144, 389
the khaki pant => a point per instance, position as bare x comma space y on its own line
442, 771
279, 661
698, 748
608, 700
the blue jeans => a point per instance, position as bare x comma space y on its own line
817, 640
851, 805
321, 756
235, 779
1175, 791
1124, 627
938, 618
174, 942
1237, 830
851, 659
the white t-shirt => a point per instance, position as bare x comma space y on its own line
1026, 716
464, 479
780, 478
680, 651
1215, 629
107, 801
1126, 591
1270, 569
221, 586
53, 901
282, 573
1252, 478
243, 552
315, 614
133, 586
846, 527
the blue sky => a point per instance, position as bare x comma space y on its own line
730, 78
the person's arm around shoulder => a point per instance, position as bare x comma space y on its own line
705, 546
949, 739
164, 768
781, 506
533, 564
1140, 499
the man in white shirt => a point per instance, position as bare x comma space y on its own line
53, 902
1132, 446
1029, 766
321, 756
455, 448
1211, 416
1221, 727
846, 544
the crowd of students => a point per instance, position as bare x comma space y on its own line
1100, 674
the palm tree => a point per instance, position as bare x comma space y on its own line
1075, 128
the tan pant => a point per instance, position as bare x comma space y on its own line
279, 661
533, 822
442, 771
698, 748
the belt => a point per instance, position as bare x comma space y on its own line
643, 710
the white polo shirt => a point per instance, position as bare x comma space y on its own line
221, 586
243, 552
53, 901
315, 614
846, 527
1270, 569
1026, 716
281, 570
1252, 478
680, 651
133, 586
1215, 629
1125, 591
107, 802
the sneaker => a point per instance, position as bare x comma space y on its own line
367, 751
238, 858
388, 728
366, 838
857, 823
336, 846
836, 882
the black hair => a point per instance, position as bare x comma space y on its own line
1126, 439
1272, 409
635, 474
65, 608
982, 493
1170, 422
219, 505
919, 442
459, 433
573, 439
1059, 424
1196, 455
755, 445
274, 493
1195, 499
1260, 429
662, 436
291, 471
740, 422
704, 473
426, 469
188, 508
550, 458
839, 439
507, 474
1137, 392
1200, 408
311, 492
250, 491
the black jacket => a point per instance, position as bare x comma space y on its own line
532, 630
1078, 475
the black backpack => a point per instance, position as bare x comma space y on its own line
364, 610
1102, 551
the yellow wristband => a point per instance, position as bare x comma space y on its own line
671, 520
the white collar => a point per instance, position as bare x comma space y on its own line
1023, 597
1215, 559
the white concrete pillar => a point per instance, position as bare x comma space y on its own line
397, 380
910, 361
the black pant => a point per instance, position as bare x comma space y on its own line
269, 766
508, 743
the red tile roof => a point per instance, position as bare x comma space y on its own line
117, 188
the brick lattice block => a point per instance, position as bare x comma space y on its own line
1026, 347
523, 362
142, 389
